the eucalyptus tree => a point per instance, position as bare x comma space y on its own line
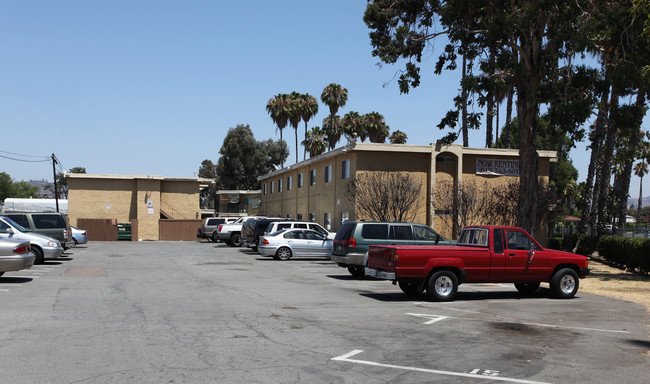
309, 109
335, 97
541, 33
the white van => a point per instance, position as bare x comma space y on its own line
278, 225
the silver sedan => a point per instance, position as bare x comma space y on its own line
286, 243
15, 255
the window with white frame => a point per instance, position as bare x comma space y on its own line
300, 182
272, 187
312, 177
264, 189
289, 182
280, 185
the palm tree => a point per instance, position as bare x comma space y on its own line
315, 141
309, 110
278, 108
334, 96
640, 169
377, 128
398, 137
332, 130
352, 125
295, 114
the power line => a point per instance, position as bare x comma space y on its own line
24, 160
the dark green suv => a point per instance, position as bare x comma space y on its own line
350, 248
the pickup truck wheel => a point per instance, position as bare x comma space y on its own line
235, 240
409, 287
357, 271
527, 288
214, 237
442, 286
564, 283
284, 253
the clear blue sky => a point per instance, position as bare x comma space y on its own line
152, 87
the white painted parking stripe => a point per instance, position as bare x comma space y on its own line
4, 290
346, 358
530, 322
432, 318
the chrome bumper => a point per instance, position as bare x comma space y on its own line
380, 274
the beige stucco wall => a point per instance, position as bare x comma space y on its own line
426, 163
124, 198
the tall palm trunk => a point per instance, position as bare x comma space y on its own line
610, 138
639, 206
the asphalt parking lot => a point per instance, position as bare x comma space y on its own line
199, 312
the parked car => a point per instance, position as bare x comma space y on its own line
286, 243
350, 249
80, 236
50, 224
254, 228
15, 255
231, 233
42, 247
278, 225
208, 230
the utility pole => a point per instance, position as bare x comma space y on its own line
56, 190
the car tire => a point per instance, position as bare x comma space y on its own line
283, 253
235, 240
442, 286
38, 255
214, 237
409, 287
75, 242
2, 273
357, 270
527, 288
564, 283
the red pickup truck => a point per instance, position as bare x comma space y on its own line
483, 254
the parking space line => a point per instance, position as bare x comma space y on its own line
346, 358
515, 320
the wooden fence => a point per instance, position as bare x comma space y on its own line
175, 230
99, 229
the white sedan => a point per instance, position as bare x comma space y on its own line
286, 243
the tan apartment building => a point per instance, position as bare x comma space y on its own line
315, 189
142, 200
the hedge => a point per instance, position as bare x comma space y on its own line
629, 252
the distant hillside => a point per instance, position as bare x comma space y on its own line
635, 200
41, 184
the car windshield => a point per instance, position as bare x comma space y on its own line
15, 225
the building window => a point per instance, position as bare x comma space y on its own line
280, 185
327, 221
264, 189
345, 169
345, 217
328, 173
299, 216
272, 187
289, 182
312, 177
312, 217
300, 180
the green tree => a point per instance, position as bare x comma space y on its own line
208, 170
332, 130
20, 189
309, 110
243, 159
279, 108
335, 97
540, 33
295, 114
376, 126
315, 142
398, 137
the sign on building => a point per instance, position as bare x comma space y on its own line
497, 167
